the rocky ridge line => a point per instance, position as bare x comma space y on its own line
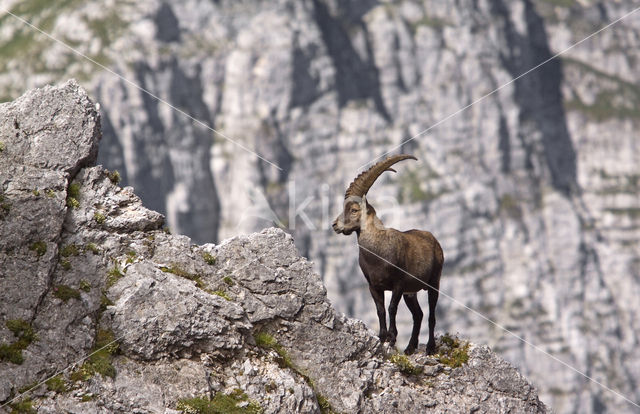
245, 322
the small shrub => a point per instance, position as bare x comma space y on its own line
228, 280
114, 176
57, 384
2, 146
39, 247
209, 258
99, 217
50, 193
65, 293
404, 365
35, 192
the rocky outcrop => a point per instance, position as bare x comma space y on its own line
532, 192
117, 315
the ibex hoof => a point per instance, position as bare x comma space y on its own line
431, 348
410, 350
386, 337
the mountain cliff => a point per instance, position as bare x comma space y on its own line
117, 315
532, 192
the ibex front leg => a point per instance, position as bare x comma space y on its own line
396, 295
378, 298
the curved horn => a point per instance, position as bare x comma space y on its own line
365, 180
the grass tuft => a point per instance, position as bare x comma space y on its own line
178, 271
25, 335
39, 247
70, 250
92, 248
23, 407
57, 384
100, 361
65, 292
113, 276
222, 294
404, 365
73, 194
85, 286
99, 217
454, 353
65, 264
209, 258
235, 402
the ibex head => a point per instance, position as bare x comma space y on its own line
356, 207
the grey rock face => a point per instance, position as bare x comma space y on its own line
137, 320
532, 192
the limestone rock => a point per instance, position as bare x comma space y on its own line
130, 318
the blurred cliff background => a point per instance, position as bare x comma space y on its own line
533, 192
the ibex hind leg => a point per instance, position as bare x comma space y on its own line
411, 299
433, 300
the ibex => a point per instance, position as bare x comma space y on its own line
402, 262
